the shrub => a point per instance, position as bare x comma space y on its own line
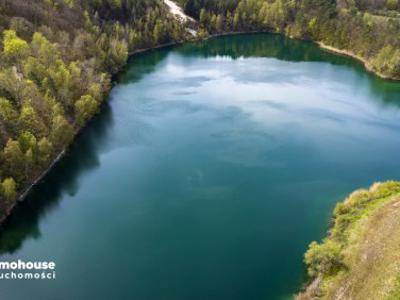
323, 259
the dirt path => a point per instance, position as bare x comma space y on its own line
177, 11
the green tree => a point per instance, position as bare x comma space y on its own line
8, 115
158, 33
85, 108
29, 161
118, 55
203, 17
236, 21
45, 151
213, 23
44, 50
14, 163
27, 141
9, 188
95, 90
61, 132
29, 121
14, 47
220, 23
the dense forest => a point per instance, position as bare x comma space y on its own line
56, 61
369, 29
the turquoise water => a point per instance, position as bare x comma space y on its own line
206, 175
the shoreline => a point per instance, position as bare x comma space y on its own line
60, 155
30, 186
322, 46
138, 51
25, 192
359, 58
360, 226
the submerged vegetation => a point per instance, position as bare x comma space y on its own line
358, 258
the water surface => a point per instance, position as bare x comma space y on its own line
207, 174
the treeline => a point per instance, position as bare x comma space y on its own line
56, 59
367, 28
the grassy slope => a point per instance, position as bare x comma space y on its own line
371, 250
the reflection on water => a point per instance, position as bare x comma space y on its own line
290, 50
81, 157
207, 174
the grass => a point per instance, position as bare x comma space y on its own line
366, 228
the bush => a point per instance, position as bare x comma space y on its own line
323, 259
358, 204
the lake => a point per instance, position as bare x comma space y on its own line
207, 173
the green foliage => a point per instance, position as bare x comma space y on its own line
27, 141
14, 162
392, 4
30, 121
14, 47
56, 62
61, 132
357, 205
8, 115
70, 3
85, 108
387, 61
326, 259
359, 27
9, 189
323, 259
45, 151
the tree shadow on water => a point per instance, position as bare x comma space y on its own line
81, 157
142, 64
267, 45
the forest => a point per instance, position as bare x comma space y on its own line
368, 28
56, 62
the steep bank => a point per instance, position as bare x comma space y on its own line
360, 257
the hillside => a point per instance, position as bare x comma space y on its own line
369, 30
360, 257
56, 62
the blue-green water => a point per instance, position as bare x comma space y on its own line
207, 174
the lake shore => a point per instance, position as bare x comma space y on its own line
28, 189
60, 155
366, 63
334, 50
365, 228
